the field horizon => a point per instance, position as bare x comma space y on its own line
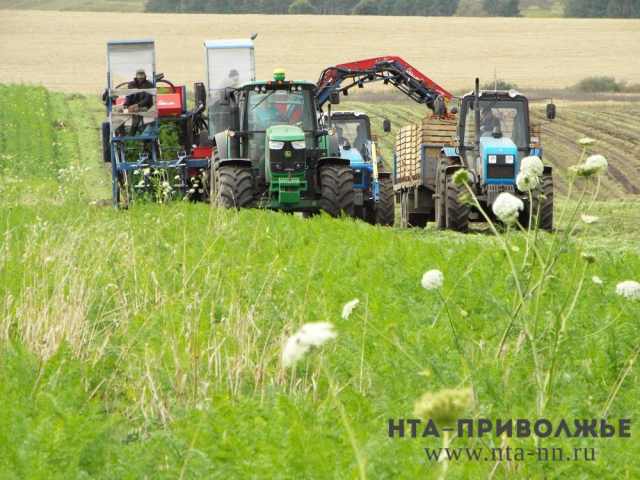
65, 51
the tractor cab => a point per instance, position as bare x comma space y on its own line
503, 135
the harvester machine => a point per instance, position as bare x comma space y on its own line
374, 194
493, 133
139, 115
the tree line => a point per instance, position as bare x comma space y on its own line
430, 8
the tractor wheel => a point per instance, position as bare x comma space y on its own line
457, 210
235, 186
546, 204
440, 200
337, 190
386, 212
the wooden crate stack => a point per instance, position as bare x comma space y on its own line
407, 153
409, 142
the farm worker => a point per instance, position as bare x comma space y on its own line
342, 141
138, 102
489, 122
361, 137
269, 113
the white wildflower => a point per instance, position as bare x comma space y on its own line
460, 176
310, 335
532, 164
598, 162
586, 142
166, 185
596, 280
177, 177
432, 280
348, 309
629, 290
136, 172
526, 180
588, 219
507, 207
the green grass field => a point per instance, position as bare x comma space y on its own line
147, 343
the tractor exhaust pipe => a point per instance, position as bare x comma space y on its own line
476, 120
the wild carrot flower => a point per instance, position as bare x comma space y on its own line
506, 207
589, 219
596, 280
533, 165
300, 343
586, 142
526, 180
445, 407
629, 290
599, 162
349, 307
460, 176
432, 280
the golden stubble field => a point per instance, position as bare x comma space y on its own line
65, 51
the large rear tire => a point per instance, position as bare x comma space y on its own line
213, 174
544, 204
235, 186
386, 212
337, 190
457, 210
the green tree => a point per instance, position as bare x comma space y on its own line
302, 7
163, 6
502, 8
585, 8
366, 7
471, 8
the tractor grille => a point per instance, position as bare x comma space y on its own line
287, 159
498, 168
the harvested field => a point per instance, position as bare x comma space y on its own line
66, 51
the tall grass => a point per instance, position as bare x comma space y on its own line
148, 343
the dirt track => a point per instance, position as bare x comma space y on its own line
66, 51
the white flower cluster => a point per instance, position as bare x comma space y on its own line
349, 308
530, 169
629, 290
507, 207
432, 280
589, 219
594, 165
310, 335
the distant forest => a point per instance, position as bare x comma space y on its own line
425, 8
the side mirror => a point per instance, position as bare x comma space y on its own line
224, 98
334, 98
386, 125
551, 111
454, 110
439, 108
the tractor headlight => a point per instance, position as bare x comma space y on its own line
263, 89
299, 145
509, 159
276, 145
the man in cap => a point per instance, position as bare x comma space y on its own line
137, 102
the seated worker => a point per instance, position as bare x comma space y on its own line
489, 122
137, 102
342, 141
268, 114
361, 137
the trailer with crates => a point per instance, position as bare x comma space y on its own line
488, 135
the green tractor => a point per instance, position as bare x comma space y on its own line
273, 155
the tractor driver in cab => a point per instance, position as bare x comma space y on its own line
488, 122
268, 113
342, 141
137, 102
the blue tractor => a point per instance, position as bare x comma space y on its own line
374, 196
